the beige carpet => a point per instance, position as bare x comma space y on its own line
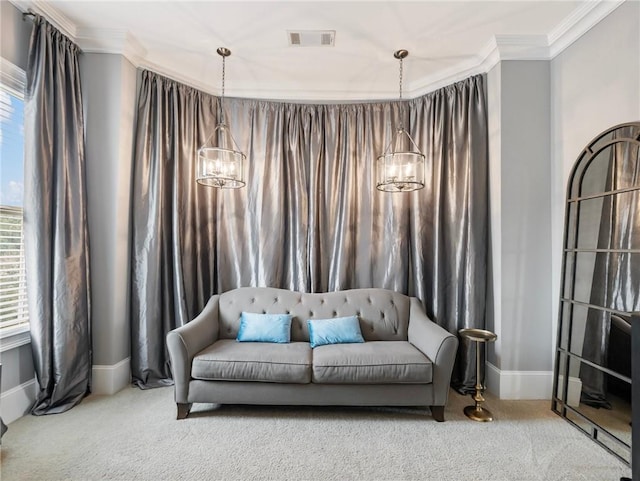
134, 436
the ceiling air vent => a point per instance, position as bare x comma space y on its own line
311, 38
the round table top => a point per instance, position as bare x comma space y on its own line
479, 335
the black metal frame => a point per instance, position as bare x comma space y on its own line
571, 231
635, 393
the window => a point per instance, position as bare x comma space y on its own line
13, 293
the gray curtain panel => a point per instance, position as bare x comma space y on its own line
616, 276
310, 218
55, 224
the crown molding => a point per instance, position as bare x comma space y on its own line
114, 41
499, 48
447, 77
489, 55
266, 92
522, 47
578, 23
52, 14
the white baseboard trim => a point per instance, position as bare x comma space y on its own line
519, 384
574, 391
111, 379
17, 402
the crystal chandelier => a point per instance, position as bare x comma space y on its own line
220, 162
401, 167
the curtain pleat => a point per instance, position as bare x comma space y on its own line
310, 218
55, 222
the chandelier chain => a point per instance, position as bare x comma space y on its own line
401, 125
223, 75
222, 97
400, 86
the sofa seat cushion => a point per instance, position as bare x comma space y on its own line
229, 360
385, 362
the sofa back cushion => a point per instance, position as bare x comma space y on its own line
383, 314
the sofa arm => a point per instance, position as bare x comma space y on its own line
437, 344
186, 341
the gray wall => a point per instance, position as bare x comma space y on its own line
14, 35
525, 206
17, 367
109, 91
494, 278
519, 129
541, 114
595, 84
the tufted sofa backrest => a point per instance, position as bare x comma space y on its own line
383, 314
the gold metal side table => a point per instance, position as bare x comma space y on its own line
477, 412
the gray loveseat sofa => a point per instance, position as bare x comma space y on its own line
406, 359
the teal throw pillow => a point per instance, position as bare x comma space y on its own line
339, 330
264, 328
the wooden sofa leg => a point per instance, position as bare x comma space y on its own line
438, 413
183, 410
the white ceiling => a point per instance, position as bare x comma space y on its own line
447, 40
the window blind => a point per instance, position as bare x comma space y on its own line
13, 287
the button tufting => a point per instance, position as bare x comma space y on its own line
335, 313
263, 311
253, 300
